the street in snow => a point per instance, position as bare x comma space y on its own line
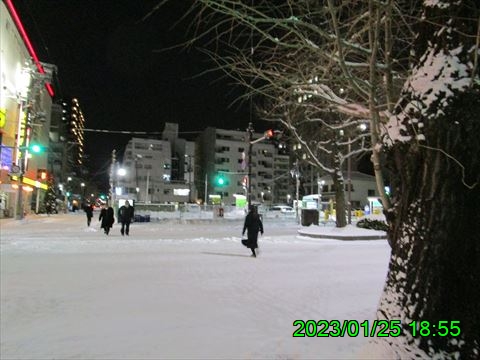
179, 290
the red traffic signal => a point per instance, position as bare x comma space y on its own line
269, 133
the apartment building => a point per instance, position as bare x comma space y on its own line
147, 171
222, 156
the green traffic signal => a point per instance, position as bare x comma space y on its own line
35, 148
220, 180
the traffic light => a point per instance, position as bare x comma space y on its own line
270, 133
275, 136
221, 180
42, 174
36, 149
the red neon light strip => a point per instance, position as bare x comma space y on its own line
26, 39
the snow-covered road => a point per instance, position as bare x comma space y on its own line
173, 290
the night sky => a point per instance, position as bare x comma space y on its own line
108, 58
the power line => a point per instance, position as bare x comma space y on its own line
139, 132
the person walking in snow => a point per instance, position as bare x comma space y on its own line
125, 217
107, 219
88, 208
253, 224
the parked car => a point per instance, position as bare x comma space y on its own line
284, 209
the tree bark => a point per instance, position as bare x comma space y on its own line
339, 183
434, 270
340, 205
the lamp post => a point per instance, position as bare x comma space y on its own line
189, 169
83, 191
143, 158
147, 186
320, 184
295, 172
139, 157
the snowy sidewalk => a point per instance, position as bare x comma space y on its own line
171, 291
350, 232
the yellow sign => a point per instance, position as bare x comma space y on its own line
3, 117
35, 183
22, 133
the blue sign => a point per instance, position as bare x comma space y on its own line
6, 158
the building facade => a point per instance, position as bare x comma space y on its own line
25, 112
362, 191
212, 170
222, 158
149, 174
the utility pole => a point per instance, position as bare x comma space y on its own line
147, 201
189, 178
206, 191
349, 182
19, 210
22, 155
250, 147
297, 188
112, 174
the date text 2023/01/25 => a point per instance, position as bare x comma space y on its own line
378, 328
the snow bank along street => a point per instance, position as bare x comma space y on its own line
173, 290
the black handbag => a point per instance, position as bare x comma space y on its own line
245, 242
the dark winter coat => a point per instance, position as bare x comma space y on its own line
89, 211
253, 224
125, 214
106, 216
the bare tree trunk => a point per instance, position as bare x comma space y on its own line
433, 283
339, 183
340, 205
434, 272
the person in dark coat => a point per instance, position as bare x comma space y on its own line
125, 217
89, 211
253, 224
107, 219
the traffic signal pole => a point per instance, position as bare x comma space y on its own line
267, 135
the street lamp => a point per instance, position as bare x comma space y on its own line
83, 190
67, 193
295, 172
189, 169
320, 184
147, 185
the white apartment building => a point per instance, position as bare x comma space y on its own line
176, 170
224, 153
148, 173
